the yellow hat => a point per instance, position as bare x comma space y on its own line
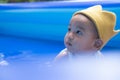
104, 21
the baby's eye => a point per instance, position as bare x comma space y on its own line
79, 32
69, 29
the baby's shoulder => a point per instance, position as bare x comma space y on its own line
62, 55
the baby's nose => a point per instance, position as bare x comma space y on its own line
71, 36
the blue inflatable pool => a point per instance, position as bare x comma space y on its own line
40, 27
32, 34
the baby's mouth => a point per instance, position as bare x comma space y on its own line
69, 44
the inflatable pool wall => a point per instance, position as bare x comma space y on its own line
47, 20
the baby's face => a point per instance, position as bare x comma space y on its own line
80, 36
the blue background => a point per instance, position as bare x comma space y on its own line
41, 27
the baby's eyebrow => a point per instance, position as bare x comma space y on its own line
81, 28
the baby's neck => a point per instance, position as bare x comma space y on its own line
84, 53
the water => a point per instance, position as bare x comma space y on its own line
32, 67
2, 61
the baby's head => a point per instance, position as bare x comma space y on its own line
89, 30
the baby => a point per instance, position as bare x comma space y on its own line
89, 30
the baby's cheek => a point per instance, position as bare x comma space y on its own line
65, 40
66, 37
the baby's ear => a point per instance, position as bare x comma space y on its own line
98, 44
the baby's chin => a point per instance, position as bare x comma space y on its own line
71, 50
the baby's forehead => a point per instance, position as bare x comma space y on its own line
81, 19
